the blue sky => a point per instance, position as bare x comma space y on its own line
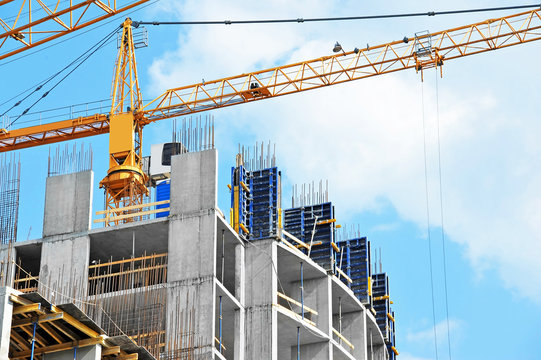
366, 138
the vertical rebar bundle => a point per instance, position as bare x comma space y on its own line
68, 161
10, 174
259, 158
348, 231
195, 134
308, 195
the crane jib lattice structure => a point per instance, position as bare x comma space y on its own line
125, 180
29, 28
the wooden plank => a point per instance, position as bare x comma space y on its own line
344, 274
113, 350
75, 323
127, 272
19, 300
218, 341
27, 308
64, 330
295, 302
52, 333
283, 308
133, 207
39, 319
60, 347
140, 213
342, 337
123, 261
302, 243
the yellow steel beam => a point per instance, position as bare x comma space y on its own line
39, 319
53, 132
75, 323
53, 24
27, 308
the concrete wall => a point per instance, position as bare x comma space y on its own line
261, 294
192, 248
6, 312
64, 268
194, 181
68, 203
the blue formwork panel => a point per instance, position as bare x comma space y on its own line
300, 223
265, 197
163, 192
391, 342
356, 265
381, 303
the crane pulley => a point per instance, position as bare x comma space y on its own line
125, 180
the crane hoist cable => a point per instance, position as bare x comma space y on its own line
341, 18
75, 63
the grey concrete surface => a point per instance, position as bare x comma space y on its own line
6, 311
85, 353
68, 203
64, 269
194, 181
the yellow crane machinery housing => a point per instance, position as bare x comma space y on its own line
125, 181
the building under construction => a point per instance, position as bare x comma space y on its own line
176, 279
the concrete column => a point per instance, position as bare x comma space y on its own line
84, 353
261, 288
353, 329
7, 265
240, 315
64, 268
190, 276
6, 312
194, 182
68, 203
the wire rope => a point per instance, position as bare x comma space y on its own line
428, 224
441, 215
340, 18
91, 51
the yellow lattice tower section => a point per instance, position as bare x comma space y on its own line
125, 181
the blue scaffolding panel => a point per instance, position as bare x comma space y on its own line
300, 223
265, 187
356, 265
381, 303
255, 202
163, 192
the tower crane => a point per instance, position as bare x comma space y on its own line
125, 181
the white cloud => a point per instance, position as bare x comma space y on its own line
367, 137
426, 336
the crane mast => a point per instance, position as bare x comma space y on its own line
125, 181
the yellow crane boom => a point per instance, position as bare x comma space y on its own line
446, 45
125, 183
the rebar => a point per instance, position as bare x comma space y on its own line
308, 195
195, 134
66, 161
258, 159
10, 175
